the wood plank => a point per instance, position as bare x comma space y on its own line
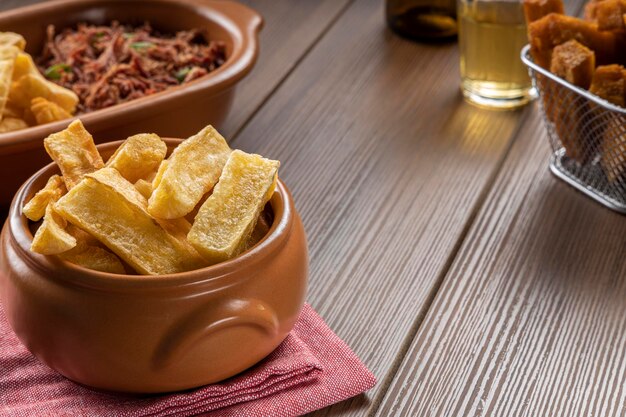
290, 29
387, 165
531, 319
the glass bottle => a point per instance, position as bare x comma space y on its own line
422, 19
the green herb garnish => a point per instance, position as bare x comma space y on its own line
128, 35
182, 73
54, 72
141, 45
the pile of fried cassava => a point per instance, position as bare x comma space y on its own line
142, 213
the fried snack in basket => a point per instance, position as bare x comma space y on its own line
608, 83
138, 156
608, 14
108, 207
74, 152
227, 218
51, 238
191, 171
45, 111
12, 39
7, 60
36, 208
536, 9
554, 29
613, 150
574, 62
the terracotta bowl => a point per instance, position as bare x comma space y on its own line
149, 334
179, 111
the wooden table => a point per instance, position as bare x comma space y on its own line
469, 279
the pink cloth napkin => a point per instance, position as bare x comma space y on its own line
310, 370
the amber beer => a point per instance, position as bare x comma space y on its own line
491, 36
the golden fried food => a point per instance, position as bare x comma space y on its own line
83, 238
114, 180
75, 153
554, 29
29, 117
53, 190
227, 218
574, 62
24, 65
10, 110
191, 171
159, 174
30, 86
177, 228
144, 187
12, 39
536, 9
96, 258
51, 238
45, 111
192, 215
26, 97
138, 156
112, 213
7, 60
97, 218
10, 124
609, 14
613, 150
89, 253
608, 83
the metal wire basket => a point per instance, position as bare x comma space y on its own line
587, 134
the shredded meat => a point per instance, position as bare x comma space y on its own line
107, 65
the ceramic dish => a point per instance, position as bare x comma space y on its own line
148, 334
178, 111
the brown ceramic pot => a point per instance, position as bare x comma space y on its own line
148, 334
179, 111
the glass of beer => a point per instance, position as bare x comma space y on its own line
491, 36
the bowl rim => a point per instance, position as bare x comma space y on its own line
219, 275
240, 22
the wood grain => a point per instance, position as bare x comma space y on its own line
290, 29
530, 321
387, 165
